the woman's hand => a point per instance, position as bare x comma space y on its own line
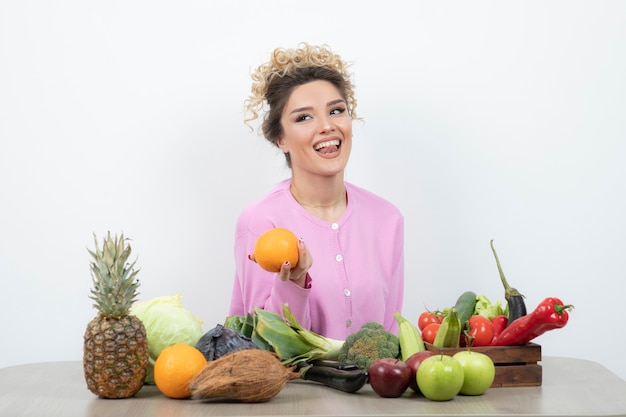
299, 272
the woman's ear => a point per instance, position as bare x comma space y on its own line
282, 145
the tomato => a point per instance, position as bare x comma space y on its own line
481, 329
429, 332
427, 318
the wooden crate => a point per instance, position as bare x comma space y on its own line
516, 366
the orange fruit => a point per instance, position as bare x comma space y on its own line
174, 368
275, 247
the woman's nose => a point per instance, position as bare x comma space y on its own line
325, 125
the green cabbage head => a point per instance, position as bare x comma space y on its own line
167, 322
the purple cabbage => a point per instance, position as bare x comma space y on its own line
221, 340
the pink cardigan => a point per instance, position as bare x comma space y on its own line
358, 263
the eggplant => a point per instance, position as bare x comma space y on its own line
338, 375
514, 299
344, 366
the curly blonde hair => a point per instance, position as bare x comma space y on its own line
274, 81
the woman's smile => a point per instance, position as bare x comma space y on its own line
328, 147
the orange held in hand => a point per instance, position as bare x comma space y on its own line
174, 368
275, 247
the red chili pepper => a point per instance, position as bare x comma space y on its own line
550, 314
499, 324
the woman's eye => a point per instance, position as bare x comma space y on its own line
302, 117
338, 110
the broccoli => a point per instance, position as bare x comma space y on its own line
369, 343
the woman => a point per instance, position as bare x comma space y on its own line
351, 265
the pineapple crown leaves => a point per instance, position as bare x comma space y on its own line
114, 278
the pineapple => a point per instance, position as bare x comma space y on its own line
115, 351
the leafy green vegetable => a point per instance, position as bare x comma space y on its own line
485, 307
235, 323
167, 322
289, 340
242, 324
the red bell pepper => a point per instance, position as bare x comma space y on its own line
550, 314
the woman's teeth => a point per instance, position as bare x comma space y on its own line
326, 144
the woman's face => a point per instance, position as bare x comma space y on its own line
317, 129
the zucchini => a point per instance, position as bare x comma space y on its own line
409, 337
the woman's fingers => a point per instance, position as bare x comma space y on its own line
298, 273
285, 271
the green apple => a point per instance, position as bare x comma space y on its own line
479, 371
440, 377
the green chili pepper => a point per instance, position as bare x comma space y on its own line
449, 333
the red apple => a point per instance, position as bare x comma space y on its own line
389, 377
414, 362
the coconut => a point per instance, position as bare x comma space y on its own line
252, 376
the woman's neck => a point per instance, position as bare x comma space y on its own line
325, 198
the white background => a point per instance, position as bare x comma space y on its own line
483, 120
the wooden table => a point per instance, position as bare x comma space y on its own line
571, 387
